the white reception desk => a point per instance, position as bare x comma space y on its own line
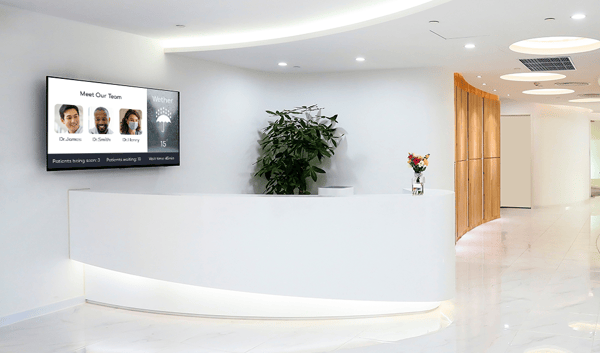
263, 255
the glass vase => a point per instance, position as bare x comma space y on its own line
418, 184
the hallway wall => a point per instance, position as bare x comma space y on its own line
560, 150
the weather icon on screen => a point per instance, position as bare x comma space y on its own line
163, 116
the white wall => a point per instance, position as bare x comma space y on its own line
560, 149
386, 115
595, 153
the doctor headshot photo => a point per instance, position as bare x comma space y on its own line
101, 121
69, 116
131, 123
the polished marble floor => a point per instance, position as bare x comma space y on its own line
528, 283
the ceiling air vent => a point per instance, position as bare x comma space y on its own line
589, 95
549, 64
572, 84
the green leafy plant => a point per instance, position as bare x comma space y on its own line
292, 147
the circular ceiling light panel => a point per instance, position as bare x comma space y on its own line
549, 91
533, 77
555, 45
585, 100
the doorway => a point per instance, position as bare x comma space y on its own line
515, 169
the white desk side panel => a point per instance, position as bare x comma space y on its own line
367, 247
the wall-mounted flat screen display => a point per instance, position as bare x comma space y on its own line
93, 125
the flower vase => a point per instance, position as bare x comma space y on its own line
418, 184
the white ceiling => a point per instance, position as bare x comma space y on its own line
402, 42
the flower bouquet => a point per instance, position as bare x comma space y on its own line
418, 164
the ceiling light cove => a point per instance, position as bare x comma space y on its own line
548, 91
533, 76
555, 45
304, 28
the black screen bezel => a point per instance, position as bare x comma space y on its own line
148, 165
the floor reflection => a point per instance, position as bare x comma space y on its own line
97, 329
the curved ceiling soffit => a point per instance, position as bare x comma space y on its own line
292, 33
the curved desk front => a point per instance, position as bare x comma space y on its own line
263, 255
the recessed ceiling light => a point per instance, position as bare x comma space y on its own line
282, 64
478, 76
495, 90
180, 26
508, 95
555, 45
585, 100
533, 76
470, 46
296, 67
434, 22
578, 16
548, 91
484, 84
360, 58
549, 19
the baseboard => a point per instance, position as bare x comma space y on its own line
43, 310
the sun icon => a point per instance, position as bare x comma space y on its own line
163, 115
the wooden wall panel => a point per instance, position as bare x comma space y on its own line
477, 135
461, 182
475, 193
491, 128
491, 189
461, 125
475, 121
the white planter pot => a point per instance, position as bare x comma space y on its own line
336, 191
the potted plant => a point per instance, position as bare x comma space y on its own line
293, 146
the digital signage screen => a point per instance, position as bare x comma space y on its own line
92, 125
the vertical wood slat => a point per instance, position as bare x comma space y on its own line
491, 128
461, 181
475, 121
491, 186
461, 125
497, 118
475, 193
